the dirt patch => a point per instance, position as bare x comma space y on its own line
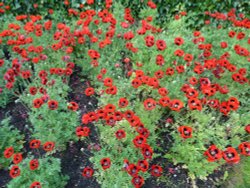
76, 157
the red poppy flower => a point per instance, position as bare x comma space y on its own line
153, 82
37, 103
188, 57
147, 151
26, 74
123, 102
70, 65
106, 163
120, 134
128, 35
224, 108
15, 172
136, 83
128, 114
36, 184
133, 170
160, 60
8, 152
149, 104
240, 36
193, 81
89, 91
178, 41
185, 87
143, 165
231, 34
244, 148
87, 172
111, 90
242, 71
92, 116
145, 132
213, 153
195, 104
42, 74
110, 120
68, 71
17, 158
185, 131
191, 93
42, 90
180, 69
156, 170
48, 146
110, 108
82, 131
198, 69
231, 155
140, 128
85, 119
34, 144
139, 141
33, 90
149, 40
163, 91
214, 103
137, 181
233, 103
52, 104
34, 164
93, 54
223, 44
118, 116
164, 101
101, 113
197, 33
161, 45
159, 74
208, 91
169, 71
176, 105
151, 4
134, 121
73, 106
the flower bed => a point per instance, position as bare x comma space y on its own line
143, 106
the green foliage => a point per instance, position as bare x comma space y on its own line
207, 130
5, 94
239, 177
48, 174
54, 126
165, 11
9, 137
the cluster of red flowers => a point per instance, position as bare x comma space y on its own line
232, 17
9, 152
17, 158
198, 91
229, 154
111, 116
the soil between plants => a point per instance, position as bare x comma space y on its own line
76, 156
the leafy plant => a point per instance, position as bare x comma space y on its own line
48, 174
9, 137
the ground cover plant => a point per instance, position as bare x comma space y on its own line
101, 94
